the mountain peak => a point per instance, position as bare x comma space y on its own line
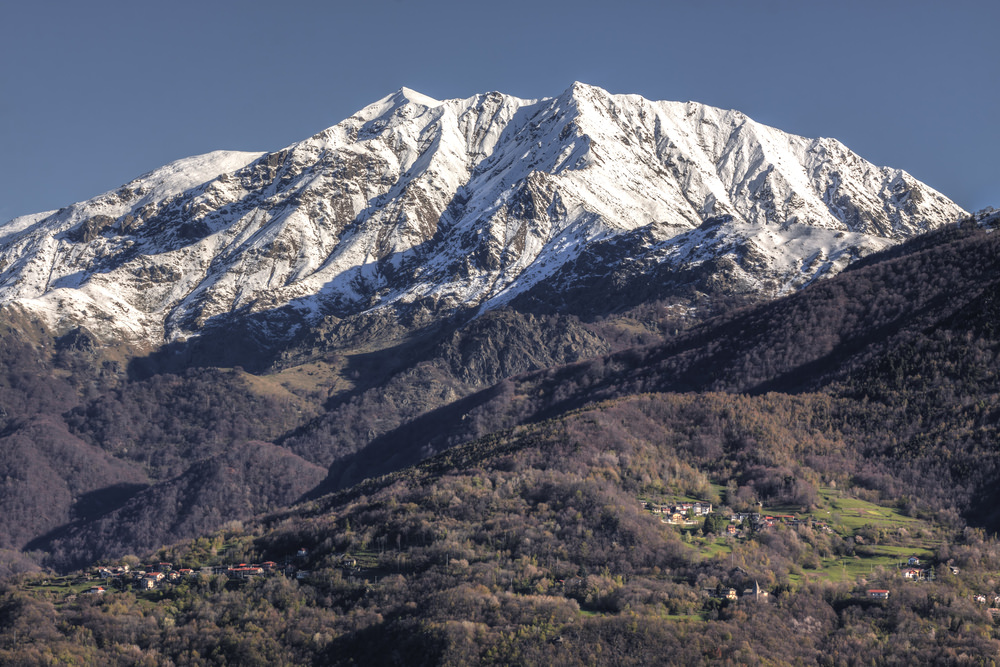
404, 95
391, 104
579, 91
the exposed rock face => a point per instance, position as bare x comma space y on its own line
473, 203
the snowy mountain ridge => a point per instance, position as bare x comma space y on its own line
474, 203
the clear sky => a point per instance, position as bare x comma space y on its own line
93, 94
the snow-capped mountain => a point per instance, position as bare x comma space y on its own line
459, 203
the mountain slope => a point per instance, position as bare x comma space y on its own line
432, 206
911, 330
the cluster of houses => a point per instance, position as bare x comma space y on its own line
680, 513
757, 522
731, 594
156, 575
740, 523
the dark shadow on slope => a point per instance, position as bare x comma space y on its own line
985, 510
87, 508
369, 370
410, 443
248, 479
102, 501
261, 341
597, 283
227, 341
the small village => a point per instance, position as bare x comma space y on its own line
162, 575
741, 524
690, 515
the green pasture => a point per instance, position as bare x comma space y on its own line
684, 618
63, 585
853, 513
849, 517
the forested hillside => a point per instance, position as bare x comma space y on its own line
845, 438
537, 546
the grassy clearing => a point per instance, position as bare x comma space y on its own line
901, 553
885, 538
714, 547
64, 585
591, 614
849, 568
303, 387
850, 517
313, 382
684, 618
853, 513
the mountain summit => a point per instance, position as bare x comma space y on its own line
415, 203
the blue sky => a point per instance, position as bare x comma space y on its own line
92, 94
